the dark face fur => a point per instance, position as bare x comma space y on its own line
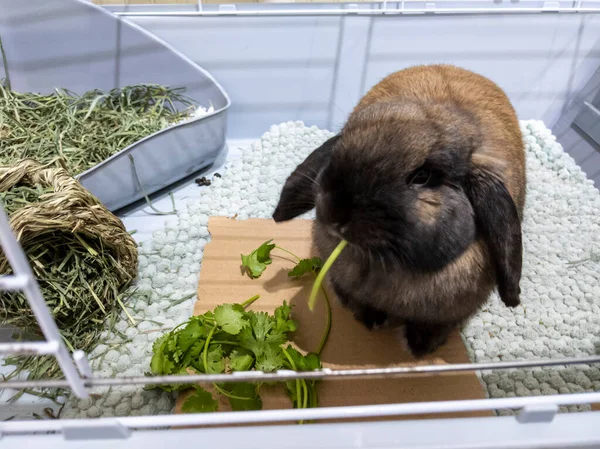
399, 184
398, 197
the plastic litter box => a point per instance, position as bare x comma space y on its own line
76, 45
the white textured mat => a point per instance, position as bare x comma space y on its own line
561, 303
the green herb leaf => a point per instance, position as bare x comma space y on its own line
261, 324
271, 359
248, 341
201, 401
231, 318
312, 265
158, 356
168, 366
263, 252
239, 361
266, 330
243, 396
309, 362
256, 262
283, 322
216, 364
312, 362
190, 334
194, 353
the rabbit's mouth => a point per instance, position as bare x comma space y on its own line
362, 242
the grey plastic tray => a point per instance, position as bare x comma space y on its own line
76, 45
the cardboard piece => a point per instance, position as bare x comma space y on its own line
350, 345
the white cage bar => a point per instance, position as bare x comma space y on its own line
403, 7
538, 409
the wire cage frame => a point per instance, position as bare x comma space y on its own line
349, 7
78, 377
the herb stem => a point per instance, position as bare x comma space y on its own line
248, 302
228, 394
289, 252
205, 352
305, 401
328, 326
328, 263
298, 385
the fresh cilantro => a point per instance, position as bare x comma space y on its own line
276, 337
158, 357
201, 401
271, 358
312, 362
190, 334
231, 318
243, 396
266, 330
323, 271
228, 341
171, 347
231, 338
297, 359
193, 353
303, 392
312, 265
256, 262
216, 364
261, 324
283, 322
248, 341
283, 312
239, 361
308, 362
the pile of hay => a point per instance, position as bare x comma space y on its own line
80, 253
84, 130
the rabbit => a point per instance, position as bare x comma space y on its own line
426, 182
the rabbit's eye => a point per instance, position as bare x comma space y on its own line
421, 178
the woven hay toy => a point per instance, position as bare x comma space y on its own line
80, 253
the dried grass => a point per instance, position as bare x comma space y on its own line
81, 255
84, 130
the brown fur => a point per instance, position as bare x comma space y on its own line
429, 207
502, 147
414, 117
500, 151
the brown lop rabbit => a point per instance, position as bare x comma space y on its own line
426, 182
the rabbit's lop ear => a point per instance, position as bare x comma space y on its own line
498, 221
299, 191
